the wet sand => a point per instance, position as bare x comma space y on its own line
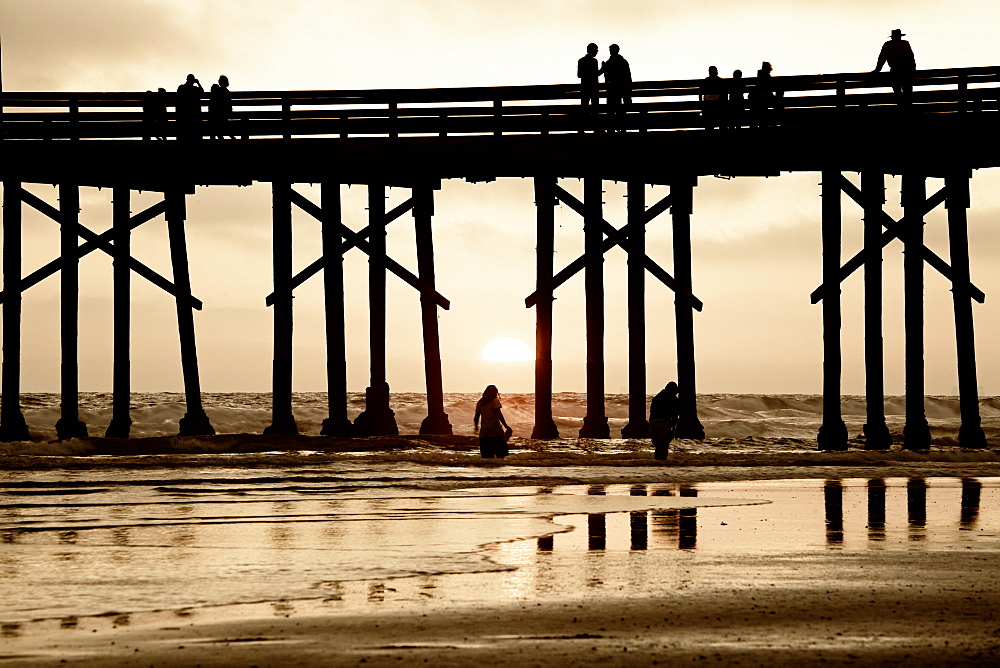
922, 590
888, 608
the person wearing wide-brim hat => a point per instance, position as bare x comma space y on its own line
898, 54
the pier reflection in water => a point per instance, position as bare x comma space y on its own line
875, 514
181, 548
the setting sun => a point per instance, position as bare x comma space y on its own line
507, 349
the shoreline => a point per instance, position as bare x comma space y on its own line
258, 451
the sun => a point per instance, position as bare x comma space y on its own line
507, 349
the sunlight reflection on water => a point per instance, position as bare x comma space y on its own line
92, 544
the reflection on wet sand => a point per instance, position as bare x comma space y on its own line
679, 529
301, 546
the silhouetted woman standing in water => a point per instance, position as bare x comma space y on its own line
492, 438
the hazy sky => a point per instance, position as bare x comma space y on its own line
756, 241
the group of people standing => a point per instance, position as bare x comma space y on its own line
723, 101
188, 104
617, 80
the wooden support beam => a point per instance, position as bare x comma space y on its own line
688, 424
195, 421
638, 425
319, 264
282, 418
833, 432
366, 246
436, 421
595, 422
69, 424
121, 420
138, 267
916, 433
618, 237
896, 230
876, 432
970, 434
378, 419
337, 424
88, 247
545, 203
12, 424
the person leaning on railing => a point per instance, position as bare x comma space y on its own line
902, 64
189, 107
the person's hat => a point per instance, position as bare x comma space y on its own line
897, 33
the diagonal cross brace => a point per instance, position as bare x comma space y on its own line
40, 274
316, 266
617, 237
893, 231
102, 241
353, 237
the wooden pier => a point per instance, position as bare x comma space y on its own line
414, 139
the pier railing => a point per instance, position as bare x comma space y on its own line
443, 112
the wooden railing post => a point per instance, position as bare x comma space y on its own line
497, 117
286, 117
74, 119
393, 120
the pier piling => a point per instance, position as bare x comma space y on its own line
12, 424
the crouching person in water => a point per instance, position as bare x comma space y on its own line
663, 412
492, 437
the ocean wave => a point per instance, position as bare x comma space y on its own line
723, 415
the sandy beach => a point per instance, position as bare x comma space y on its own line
794, 558
786, 609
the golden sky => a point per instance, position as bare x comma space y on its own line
756, 241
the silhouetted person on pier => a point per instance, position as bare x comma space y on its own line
189, 106
220, 107
761, 96
618, 79
588, 72
154, 113
712, 98
492, 438
735, 102
664, 410
902, 64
